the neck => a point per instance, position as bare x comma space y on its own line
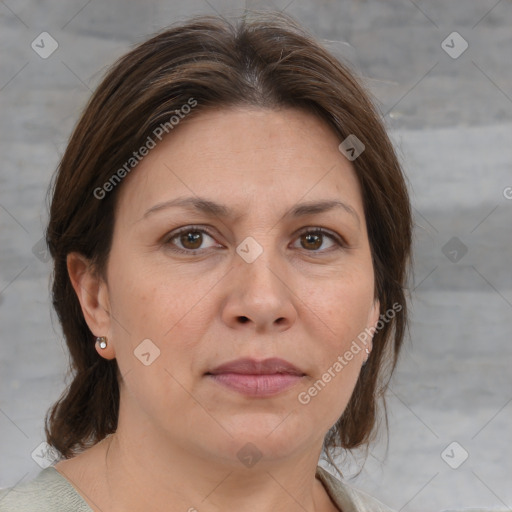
142, 473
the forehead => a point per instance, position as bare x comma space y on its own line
243, 157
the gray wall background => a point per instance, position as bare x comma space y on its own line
450, 116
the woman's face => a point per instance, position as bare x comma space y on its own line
254, 279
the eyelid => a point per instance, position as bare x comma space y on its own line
336, 238
324, 231
177, 232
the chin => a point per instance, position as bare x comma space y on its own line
264, 436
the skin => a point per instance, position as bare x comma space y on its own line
303, 300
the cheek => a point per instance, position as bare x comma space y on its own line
146, 310
342, 306
146, 300
137, 318
337, 313
172, 309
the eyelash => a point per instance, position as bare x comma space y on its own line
175, 234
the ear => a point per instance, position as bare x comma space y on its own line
373, 318
92, 293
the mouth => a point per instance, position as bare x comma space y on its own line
257, 378
247, 366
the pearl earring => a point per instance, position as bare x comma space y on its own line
102, 341
367, 356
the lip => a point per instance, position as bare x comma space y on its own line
248, 366
257, 378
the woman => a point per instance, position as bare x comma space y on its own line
231, 231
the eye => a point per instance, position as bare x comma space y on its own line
190, 238
312, 239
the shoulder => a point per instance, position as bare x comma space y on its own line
49, 491
348, 498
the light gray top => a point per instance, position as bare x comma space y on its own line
49, 491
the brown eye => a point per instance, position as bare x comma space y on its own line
191, 239
313, 239
188, 240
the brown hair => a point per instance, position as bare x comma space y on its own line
267, 61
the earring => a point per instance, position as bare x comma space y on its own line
102, 341
367, 356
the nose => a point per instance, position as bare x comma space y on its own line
260, 296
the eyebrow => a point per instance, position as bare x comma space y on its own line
213, 208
